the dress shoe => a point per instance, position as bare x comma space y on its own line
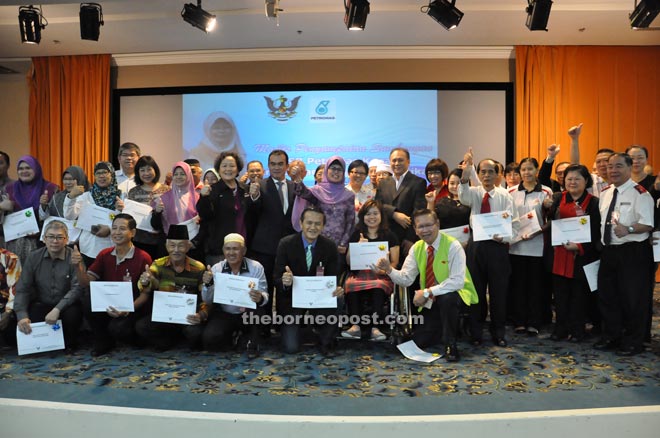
500, 342
252, 350
629, 350
532, 331
520, 330
606, 345
451, 353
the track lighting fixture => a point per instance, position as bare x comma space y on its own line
644, 13
538, 12
356, 14
444, 12
91, 20
198, 17
31, 22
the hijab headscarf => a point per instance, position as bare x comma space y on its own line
180, 202
78, 173
213, 171
57, 202
27, 194
326, 192
106, 197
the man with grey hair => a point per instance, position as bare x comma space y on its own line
48, 288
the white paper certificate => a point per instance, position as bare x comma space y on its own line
412, 351
173, 307
141, 213
591, 272
365, 254
234, 290
92, 214
117, 294
486, 225
462, 233
44, 337
529, 224
656, 246
19, 224
74, 233
193, 227
572, 229
314, 292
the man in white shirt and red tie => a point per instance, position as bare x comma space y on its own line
488, 261
626, 210
439, 260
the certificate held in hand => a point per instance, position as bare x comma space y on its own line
44, 337
141, 213
572, 229
116, 294
20, 224
314, 292
462, 233
92, 214
365, 254
487, 225
234, 290
173, 307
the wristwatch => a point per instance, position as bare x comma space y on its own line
427, 293
631, 229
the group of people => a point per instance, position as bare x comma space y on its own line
274, 229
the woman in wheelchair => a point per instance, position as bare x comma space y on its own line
364, 289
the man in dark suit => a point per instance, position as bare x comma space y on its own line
401, 195
271, 207
305, 254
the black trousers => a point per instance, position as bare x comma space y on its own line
488, 262
221, 326
571, 298
526, 291
623, 286
367, 302
107, 330
440, 322
71, 319
164, 335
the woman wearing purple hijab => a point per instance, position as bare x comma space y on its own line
29, 190
178, 204
334, 199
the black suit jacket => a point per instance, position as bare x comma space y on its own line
291, 253
407, 199
271, 222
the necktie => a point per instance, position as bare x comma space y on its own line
281, 193
485, 205
607, 235
308, 257
430, 275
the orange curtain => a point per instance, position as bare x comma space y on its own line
69, 113
614, 91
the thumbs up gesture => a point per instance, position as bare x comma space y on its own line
208, 276
363, 239
287, 277
553, 151
119, 204
160, 206
76, 257
76, 191
145, 277
206, 190
574, 131
254, 188
43, 199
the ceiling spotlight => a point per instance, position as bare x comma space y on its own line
273, 8
538, 12
91, 20
31, 22
356, 14
644, 13
198, 17
444, 12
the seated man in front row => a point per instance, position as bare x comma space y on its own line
48, 289
225, 318
305, 254
443, 284
174, 273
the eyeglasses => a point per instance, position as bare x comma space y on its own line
54, 238
102, 173
133, 155
336, 169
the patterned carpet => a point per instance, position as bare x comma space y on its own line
362, 369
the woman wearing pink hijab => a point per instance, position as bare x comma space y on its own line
177, 205
334, 199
